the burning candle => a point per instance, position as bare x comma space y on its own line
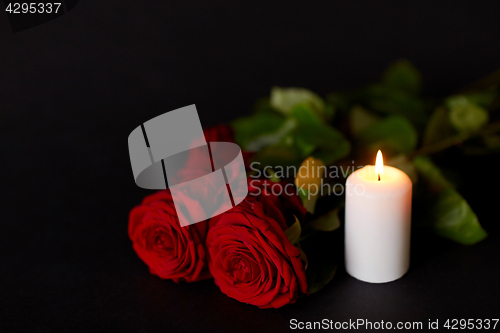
377, 223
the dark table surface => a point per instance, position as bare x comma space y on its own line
71, 90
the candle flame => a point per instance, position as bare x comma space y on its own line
379, 164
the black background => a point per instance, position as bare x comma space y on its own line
71, 91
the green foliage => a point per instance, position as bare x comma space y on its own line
282, 141
454, 219
284, 99
360, 120
394, 134
448, 214
387, 100
280, 154
480, 98
438, 127
249, 129
268, 139
392, 115
431, 173
316, 138
466, 117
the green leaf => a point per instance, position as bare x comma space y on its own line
449, 214
248, 129
465, 116
314, 137
293, 232
332, 149
402, 75
305, 146
305, 115
438, 127
319, 274
431, 174
280, 154
454, 219
393, 135
361, 119
327, 222
283, 99
388, 100
268, 139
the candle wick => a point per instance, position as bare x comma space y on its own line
379, 177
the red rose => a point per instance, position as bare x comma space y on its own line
250, 257
170, 251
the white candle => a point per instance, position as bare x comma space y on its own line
377, 223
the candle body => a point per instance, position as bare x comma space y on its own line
377, 224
